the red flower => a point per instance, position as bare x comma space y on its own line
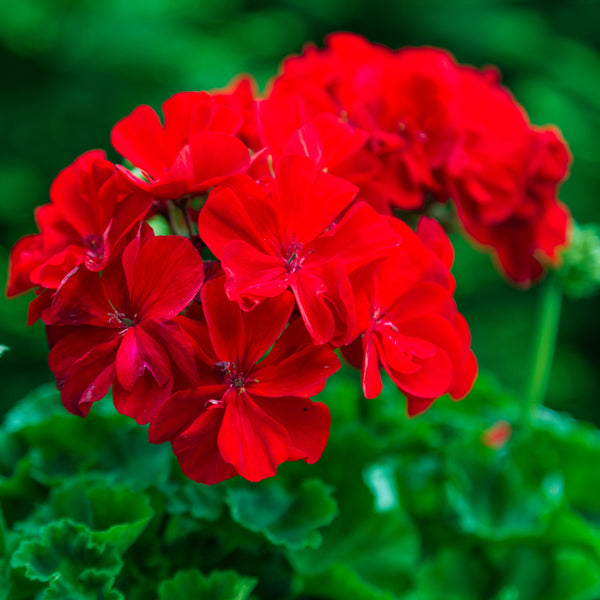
194, 150
506, 178
92, 211
118, 328
289, 239
247, 415
411, 327
406, 101
240, 95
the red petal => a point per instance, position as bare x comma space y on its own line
370, 374
263, 325
464, 378
216, 156
307, 423
253, 275
277, 119
139, 137
81, 300
360, 236
240, 210
197, 450
225, 324
25, 255
84, 367
309, 200
168, 274
140, 352
252, 441
325, 301
143, 400
180, 410
300, 373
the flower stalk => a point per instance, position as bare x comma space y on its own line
544, 342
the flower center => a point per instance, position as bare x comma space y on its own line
379, 319
122, 319
293, 257
94, 245
231, 376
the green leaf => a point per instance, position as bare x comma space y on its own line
63, 444
341, 582
290, 519
3, 349
195, 499
219, 585
566, 445
576, 576
372, 538
72, 565
113, 513
496, 497
454, 574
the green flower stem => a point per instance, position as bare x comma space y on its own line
544, 342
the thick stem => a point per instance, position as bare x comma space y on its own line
544, 342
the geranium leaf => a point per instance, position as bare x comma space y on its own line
286, 518
195, 499
65, 557
113, 513
219, 585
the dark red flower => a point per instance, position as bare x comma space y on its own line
290, 239
92, 213
506, 178
247, 415
411, 326
117, 327
194, 150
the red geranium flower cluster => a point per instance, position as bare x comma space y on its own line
432, 131
284, 248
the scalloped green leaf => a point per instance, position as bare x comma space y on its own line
65, 557
219, 585
286, 518
104, 441
372, 537
113, 513
195, 499
340, 582
454, 574
497, 496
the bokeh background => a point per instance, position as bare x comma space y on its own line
72, 68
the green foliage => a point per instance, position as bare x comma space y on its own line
64, 556
219, 585
286, 518
396, 509
581, 263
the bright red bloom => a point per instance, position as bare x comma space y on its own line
411, 326
248, 415
117, 328
92, 213
290, 239
241, 95
194, 150
406, 101
505, 180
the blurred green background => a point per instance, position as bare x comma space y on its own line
72, 68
